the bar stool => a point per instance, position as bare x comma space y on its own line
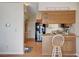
57, 43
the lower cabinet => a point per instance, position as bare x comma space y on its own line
69, 47
46, 46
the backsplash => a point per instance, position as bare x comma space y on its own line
58, 28
53, 27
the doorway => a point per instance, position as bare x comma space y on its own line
31, 47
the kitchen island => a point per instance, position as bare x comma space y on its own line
69, 47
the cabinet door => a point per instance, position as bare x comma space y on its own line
46, 46
57, 17
69, 46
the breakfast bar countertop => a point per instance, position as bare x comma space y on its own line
70, 34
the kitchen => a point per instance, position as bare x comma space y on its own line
55, 18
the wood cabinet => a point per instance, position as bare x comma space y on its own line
69, 47
58, 17
46, 46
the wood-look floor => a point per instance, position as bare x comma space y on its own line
36, 51
36, 47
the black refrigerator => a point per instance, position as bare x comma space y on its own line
40, 29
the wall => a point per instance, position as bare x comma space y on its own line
77, 30
11, 28
53, 27
33, 8
52, 5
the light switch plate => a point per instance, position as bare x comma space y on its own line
7, 25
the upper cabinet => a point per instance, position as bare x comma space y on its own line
58, 17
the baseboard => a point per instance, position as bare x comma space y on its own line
30, 38
11, 55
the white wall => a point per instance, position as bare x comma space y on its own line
52, 5
33, 7
77, 30
11, 35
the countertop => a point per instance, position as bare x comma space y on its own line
49, 34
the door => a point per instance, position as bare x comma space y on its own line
69, 46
